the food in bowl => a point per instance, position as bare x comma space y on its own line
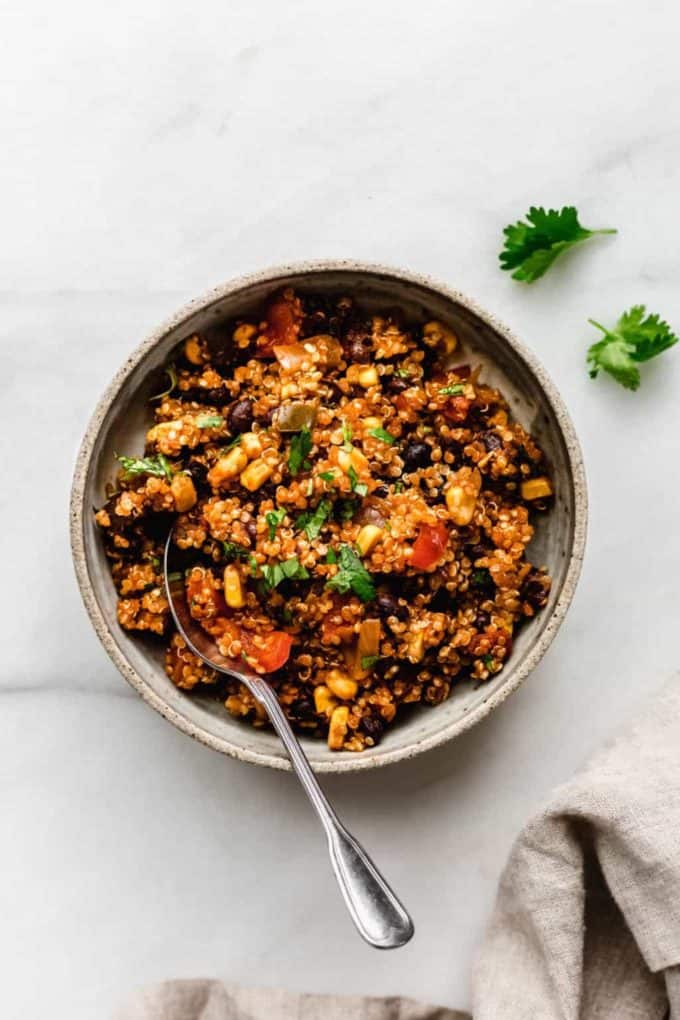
358, 504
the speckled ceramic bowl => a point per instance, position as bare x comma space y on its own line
123, 415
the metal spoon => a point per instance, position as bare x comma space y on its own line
377, 913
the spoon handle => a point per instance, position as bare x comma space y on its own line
377, 913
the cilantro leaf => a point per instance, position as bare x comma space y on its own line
331, 556
209, 421
287, 570
369, 661
346, 433
273, 519
158, 466
637, 337
352, 576
327, 476
300, 445
383, 434
234, 551
312, 521
171, 373
360, 488
452, 391
531, 247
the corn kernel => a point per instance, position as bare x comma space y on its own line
324, 702
233, 587
227, 467
368, 537
184, 492
338, 728
461, 495
193, 352
243, 334
341, 685
371, 423
368, 376
416, 647
536, 488
251, 444
256, 474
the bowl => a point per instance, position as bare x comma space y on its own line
123, 416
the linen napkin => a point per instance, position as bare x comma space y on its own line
587, 920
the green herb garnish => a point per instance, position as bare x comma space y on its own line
273, 519
360, 488
403, 373
158, 466
175, 576
532, 247
452, 391
312, 521
230, 445
481, 578
383, 434
331, 556
488, 661
352, 576
369, 661
300, 445
327, 476
399, 486
234, 551
171, 373
287, 570
209, 421
252, 563
347, 435
634, 339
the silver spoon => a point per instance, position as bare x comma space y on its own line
377, 913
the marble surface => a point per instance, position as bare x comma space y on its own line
152, 150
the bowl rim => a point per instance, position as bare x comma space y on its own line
348, 762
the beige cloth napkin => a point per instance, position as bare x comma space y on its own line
587, 920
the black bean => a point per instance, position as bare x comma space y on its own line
198, 471
358, 346
241, 416
416, 455
388, 605
534, 589
302, 710
492, 441
382, 491
396, 384
205, 395
251, 528
372, 726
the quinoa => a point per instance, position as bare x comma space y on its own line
357, 504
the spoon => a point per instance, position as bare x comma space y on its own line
377, 913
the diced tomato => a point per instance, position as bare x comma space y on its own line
430, 545
456, 409
274, 652
284, 318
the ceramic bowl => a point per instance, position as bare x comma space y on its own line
122, 418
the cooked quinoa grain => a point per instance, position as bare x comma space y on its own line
357, 504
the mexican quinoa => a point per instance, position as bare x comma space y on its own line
356, 502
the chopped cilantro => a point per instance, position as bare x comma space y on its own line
158, 466
312, 521
252, 563
399, 486
403, 373
360, 488
273, 519
300, 445
230, 445
481, 578
488, 661
234, 551
382, 434
352, 576
327, 476
347, 435
209, 421
331, 556
369, 661
452, 391
287, 570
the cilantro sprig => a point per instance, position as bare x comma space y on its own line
454, 390
171, 373
300, 445
531, 247
352, 576
382, 434
158, 466
360, 488
209, 421
635, 338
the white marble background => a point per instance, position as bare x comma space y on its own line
153, 149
